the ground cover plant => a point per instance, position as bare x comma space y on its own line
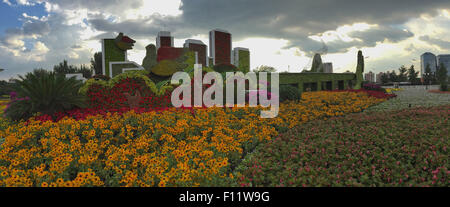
199, 147
401, 148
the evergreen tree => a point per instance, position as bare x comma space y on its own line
96, 63
442, 77
402, 76
412, 75
384, 78
64, 68
393, 77
428, 76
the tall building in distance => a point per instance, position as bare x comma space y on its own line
200, 50
328, 67
369, 77
164, 39
241, 59
220, 47
444, 59
427, 58
378, 77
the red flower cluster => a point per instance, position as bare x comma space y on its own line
100, 97
375, 94
103, 100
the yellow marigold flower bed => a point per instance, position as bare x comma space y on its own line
391, 90
170, 148
3, 104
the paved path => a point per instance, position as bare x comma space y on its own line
414, 95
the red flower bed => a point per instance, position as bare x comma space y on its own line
102, 100
100, 97
375, 94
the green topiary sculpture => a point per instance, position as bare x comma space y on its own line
165, 68
317, 65
359, 71
150, 58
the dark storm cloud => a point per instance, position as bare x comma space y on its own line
149, 26
437, 42
293, 20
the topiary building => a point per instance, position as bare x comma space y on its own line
200, 50
220, 47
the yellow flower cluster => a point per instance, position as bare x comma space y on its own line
3, 104
391, 90
170, 148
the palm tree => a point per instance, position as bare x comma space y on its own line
46, 93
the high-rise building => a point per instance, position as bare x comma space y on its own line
444, 59
242, 59
369, 77
328, 67
378, 78
164, 39
220, 47
427, 58
200, 50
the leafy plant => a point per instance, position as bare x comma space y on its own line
46, 93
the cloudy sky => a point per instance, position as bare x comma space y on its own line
279, 33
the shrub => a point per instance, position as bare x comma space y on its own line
288, 92
18, 109
46, 93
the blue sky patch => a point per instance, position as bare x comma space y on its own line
9, 15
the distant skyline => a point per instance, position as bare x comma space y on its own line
282, 34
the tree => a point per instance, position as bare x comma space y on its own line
393, 77
384, 78
428, 76
264, 68
442, 77
402, 76
46, 93
64, 68
412, 75
87, 72
96, 63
